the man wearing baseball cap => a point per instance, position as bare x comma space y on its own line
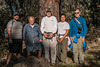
14, 30
49, 29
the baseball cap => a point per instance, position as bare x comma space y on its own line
48, 10
15, 13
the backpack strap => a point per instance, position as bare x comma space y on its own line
78, 22
12, 23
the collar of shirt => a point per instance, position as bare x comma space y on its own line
16, 20
32, 26
35, 25
48, 17
63, 22
78, 17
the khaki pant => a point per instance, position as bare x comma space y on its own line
78, 51
50, 49
64, 45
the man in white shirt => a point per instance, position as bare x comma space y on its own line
49, 29
63, 35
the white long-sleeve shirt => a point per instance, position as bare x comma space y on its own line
49, 24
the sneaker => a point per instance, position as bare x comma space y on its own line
52, 64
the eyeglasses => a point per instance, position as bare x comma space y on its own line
76, 12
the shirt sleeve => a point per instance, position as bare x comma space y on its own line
67, 26
57, 28
71, 27
24, 33
42, 25
55, 25
40, 33
85, 28
9, 25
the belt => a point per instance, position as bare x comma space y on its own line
61, 35
48, 33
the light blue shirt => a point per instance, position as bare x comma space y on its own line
30, 33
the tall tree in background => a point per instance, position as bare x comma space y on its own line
90, 11
53, 4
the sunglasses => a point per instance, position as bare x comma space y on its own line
77, 12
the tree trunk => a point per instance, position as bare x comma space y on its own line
44, 4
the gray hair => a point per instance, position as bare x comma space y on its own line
31, 17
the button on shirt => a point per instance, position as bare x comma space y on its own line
49, 24
62, 27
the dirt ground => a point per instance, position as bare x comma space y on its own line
92, 57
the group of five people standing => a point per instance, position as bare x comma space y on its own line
51, 33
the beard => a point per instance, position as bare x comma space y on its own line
17, 19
